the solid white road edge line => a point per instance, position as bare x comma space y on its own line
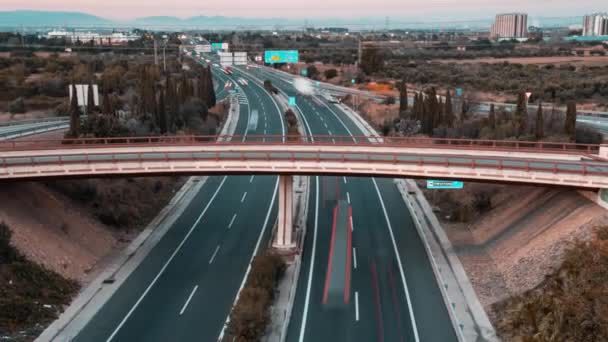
188, 300
214, 254
314, 245
244, 196
232, 221
405, 289
312, 263
357, 306
255, 251
162, 270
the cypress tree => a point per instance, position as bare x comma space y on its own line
106, 105
403, 105
162, 113
183, 90
90, 99
492, 117
464, 108
449, 110
440, 113
432, 109
415, 108
570, 124
211, 98
421, 107
540, 122
74, 114
521, 114
203, 92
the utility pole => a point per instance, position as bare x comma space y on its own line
164, 57
155, 56
359, 53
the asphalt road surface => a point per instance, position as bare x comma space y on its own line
395, 295
184, 289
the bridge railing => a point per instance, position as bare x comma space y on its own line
282, 155
406, 142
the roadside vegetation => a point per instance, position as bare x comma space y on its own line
126, 204
558, 84
250, 316
569, 305
443, 115
30, 296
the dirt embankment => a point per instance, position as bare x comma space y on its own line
513, 236
72, 227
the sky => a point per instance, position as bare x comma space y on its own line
395, 9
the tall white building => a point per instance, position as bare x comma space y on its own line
595, 24
510, 25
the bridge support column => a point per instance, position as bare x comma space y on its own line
604, 151
284, 234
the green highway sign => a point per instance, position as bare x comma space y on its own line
281, 56
444, 184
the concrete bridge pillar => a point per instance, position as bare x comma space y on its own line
604, 151
284, 235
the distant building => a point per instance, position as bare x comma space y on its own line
510, 25
595, 24
535, 33
113, 38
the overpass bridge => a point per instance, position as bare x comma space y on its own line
562, 164
537, 163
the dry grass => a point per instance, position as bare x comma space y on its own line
571, 304
574, 60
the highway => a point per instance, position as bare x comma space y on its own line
394, 293
184, 289
23, 129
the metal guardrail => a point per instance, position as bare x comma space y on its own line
17, 133
33, 121
319, 140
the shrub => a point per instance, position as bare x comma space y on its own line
17, 106
330, 73
8, 253
250, 315
390, 100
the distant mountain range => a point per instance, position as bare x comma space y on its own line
45, 19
